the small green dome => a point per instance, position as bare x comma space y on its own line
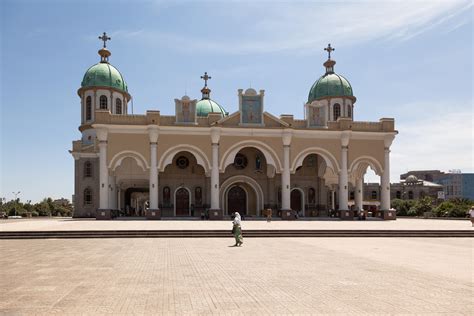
330, 85
104, 74
206, 106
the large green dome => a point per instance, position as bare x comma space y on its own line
104, 74
206, 106
330, 85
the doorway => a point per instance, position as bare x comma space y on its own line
182, 202
237, 200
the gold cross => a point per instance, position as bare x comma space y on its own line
104, 38
329, 49
206, 77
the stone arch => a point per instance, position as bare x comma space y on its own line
330, 160
303, 198
227, 184
201, 158
174, 198
358, 167
116, 160
270, 155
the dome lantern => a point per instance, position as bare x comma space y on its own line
206, 105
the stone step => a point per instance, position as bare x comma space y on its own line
227, 233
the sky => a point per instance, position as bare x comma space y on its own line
410, 60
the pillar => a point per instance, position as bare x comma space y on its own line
103, 171
343, 181
285, 180
215, 177
333, 199
153, 177
153, 212
359, 193
385, 183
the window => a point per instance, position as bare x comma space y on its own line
352, 195
398, 195
103, 102
88, 169
410, 195
336, 111
88, 108
166, 196
118, 106
373, 195
349, 111
87, 196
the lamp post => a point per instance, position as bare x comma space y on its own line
16, 196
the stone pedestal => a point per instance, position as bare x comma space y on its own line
216, 214
388, 215
288, 215
153, 214
103, 214
346, 215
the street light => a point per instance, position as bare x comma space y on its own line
16, 195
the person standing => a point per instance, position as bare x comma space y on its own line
269, 215
237, 230
471, 215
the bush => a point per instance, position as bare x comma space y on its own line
453, 208
412, 212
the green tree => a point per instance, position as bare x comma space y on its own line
425, 204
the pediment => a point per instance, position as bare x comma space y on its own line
269, 120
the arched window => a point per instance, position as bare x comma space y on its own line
198, 196
410, 195
103, 102
336, 111
87, 196
349, 111
373, 195
166, 196
352, 195
311, 196
398, 195
88, 108
118, 106
87, 169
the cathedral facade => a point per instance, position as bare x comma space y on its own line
204, 160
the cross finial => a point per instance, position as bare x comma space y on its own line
329, 49
206, 78
104, 38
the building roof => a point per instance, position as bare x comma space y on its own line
104, 74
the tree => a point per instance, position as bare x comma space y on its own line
423, 205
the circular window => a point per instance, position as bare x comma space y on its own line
182, 162
240, 161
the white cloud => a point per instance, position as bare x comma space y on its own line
266, 27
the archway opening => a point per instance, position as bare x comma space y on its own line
237, 200
296, 199
182, 202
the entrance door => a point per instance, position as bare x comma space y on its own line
296, 201
237, 201
182, 202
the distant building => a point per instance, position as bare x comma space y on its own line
455, 184
62, 202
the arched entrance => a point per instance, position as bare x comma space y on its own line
296, 201
237, 200
182, 202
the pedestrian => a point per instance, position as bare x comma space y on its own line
237, 230
471, 215
269, 215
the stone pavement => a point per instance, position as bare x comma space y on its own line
345, 276
69, 224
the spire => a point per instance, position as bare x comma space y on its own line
329, 64
104, 52
205, 91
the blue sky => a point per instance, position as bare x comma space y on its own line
411, 60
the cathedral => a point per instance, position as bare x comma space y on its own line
206, 161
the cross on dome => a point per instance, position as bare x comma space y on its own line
206, 77
329, 49
104, 38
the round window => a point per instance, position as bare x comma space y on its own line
240, 161
182, 162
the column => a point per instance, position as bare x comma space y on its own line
103, 175
343, 181
333, 199
119, 206
385, 182
215, 177
112, 193
285, 180
153, 176
358, 193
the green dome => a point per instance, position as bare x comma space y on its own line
206, 106
330, 85
104, 74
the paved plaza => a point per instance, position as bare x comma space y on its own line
69, 224
345, 276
